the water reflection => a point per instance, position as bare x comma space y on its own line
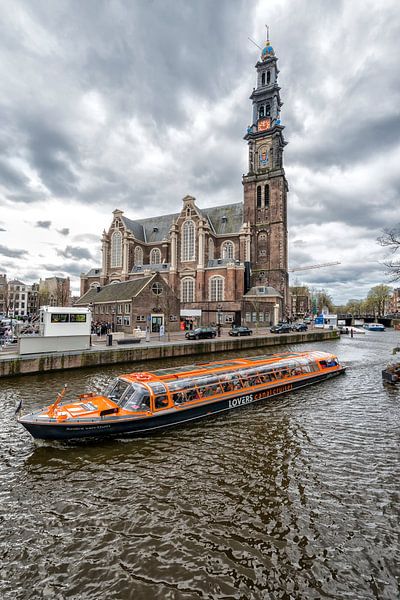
294, 498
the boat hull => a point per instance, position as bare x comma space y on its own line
114, 426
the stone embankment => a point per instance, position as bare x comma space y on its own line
99, 354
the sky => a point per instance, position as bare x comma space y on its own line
132, 104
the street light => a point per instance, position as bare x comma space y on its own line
113, 319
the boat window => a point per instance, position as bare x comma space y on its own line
282, 373
179, 398
160, 402
158, 388
253, 377
116, 390
231, 382
138, 398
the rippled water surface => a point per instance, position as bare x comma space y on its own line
296, 498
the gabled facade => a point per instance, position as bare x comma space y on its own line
144, 302
211, 257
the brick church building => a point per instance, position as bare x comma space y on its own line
228, 261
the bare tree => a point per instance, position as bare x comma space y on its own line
391, 240
378, 298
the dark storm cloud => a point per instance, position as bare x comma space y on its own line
10, 176
2, 229
67, 269
52, 155
134, 104
43, 224
4, 251
75, 252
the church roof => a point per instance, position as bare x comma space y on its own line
115, 292
153, 229
225, 219
263, 291
93, 272
222, 219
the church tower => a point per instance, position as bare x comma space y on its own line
265, 185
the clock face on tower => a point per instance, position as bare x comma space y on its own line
264, 124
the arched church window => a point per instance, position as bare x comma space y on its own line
227, 250
138, 256
259, 196
187, 289
211, 249
268, 77
216, 290
155, 256
261, 112
266, 195
268, 110
116, 249
263, 79
188, 243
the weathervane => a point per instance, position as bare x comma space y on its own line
255, 43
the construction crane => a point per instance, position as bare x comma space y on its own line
307, 267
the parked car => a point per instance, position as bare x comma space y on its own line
300, 327
282, 328
240, 330
200, 333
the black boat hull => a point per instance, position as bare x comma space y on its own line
113, 426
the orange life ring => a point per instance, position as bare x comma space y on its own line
143, 376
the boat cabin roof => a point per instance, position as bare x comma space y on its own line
216, 367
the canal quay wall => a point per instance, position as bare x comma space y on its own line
97, 355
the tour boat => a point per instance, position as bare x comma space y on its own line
374, 327
142, 403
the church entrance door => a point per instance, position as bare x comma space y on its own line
156, 322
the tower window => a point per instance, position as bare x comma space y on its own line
268, 110
261, 112
268, 77
259, 196
266, 195
263, 79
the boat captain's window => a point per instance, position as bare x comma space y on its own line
137, 398
116, 390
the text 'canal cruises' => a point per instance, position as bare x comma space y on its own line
141, 403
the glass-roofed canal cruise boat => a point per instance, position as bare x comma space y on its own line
142, 403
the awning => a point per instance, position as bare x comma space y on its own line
190, 312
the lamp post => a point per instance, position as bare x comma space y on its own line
113, 318
219, 309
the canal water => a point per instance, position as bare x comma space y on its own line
297, 498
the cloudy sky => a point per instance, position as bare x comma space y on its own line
133, 104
